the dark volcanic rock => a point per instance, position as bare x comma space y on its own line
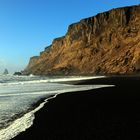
18, 73
107, 43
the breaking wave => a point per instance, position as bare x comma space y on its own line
19, 94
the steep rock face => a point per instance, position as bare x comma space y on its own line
108, 43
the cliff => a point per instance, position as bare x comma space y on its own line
108, 43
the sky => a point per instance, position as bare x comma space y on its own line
28, 26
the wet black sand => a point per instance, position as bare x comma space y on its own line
110, 113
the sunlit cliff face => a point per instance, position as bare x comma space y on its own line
106, 43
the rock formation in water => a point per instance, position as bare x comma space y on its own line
108, 43
17, 73
5, 72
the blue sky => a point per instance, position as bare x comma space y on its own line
28, 26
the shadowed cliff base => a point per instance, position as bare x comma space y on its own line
108, 43
110, 113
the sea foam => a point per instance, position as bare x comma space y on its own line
26, 121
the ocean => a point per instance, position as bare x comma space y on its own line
19, 96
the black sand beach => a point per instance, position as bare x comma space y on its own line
110, 113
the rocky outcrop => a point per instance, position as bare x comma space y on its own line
5, 72
108, 43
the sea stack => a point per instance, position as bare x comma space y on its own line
108, 43
5, 72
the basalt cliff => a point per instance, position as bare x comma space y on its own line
108, 43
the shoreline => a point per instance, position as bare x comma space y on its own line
93, 114
23, 121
